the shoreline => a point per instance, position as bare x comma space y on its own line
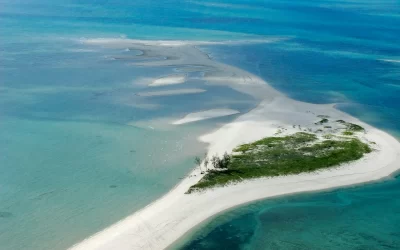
167, 219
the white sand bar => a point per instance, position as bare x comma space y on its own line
171, 92
164, 221
204, 115
390, 60
168, 80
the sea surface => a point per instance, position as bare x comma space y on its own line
80, 150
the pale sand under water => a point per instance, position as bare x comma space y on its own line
171, 92
164, 221
169, 80
204, 115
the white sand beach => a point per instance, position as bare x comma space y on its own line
164, 221
204, 115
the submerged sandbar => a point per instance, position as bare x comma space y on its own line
171, 92
169, 80
204, 115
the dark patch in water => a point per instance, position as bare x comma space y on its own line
113, 186
96, 95
5, 214
235, 235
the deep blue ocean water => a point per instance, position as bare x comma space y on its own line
76, 154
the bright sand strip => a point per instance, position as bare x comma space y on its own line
204, 115
171, 92
164, 221
168, 80
390, 60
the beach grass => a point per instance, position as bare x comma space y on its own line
324, 120
351, 126
348, 133
278, 156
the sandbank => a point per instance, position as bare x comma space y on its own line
169, 80
204, 115
390, 60
171, 92
164, 221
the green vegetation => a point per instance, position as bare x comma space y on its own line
221, 163
348, 133
328, 136
197, 161
276, 156
354, 127
322, 121
351, 126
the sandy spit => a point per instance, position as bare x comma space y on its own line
164, 221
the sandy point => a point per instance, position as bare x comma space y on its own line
165, 220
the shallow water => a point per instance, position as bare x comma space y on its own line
79, 150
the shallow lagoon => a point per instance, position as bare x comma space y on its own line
80, 148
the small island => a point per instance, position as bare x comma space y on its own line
331, 145
280, 147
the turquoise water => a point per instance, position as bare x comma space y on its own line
79, 150
353, 218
